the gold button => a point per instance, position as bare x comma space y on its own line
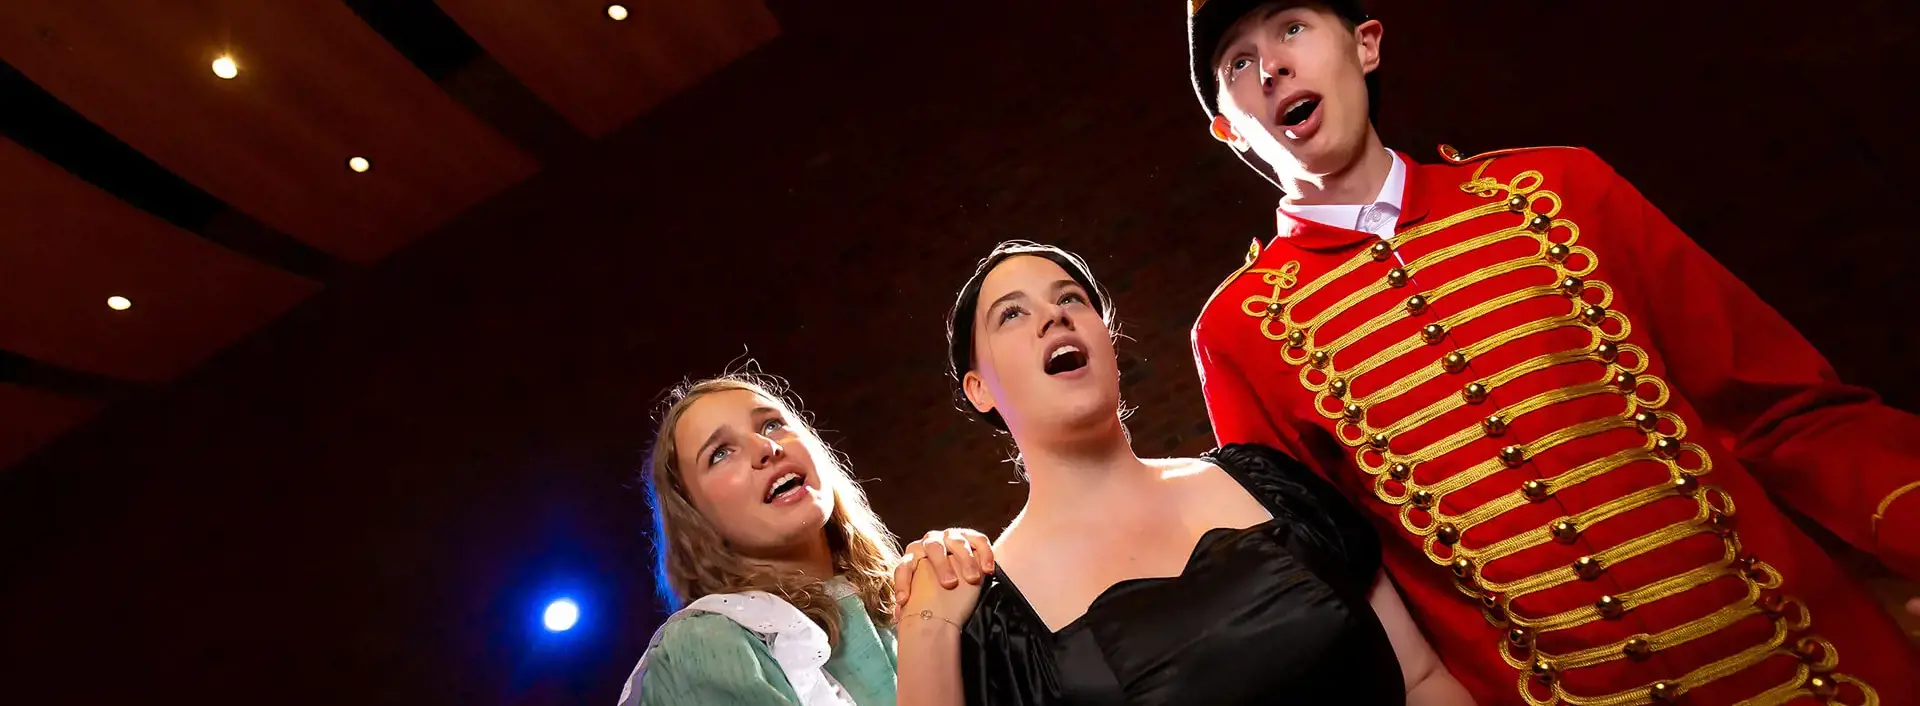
1610, 608
1446, 533
1565, 531
1297, 339
1274, 308
1381, 251
1378, 440
1462, 568
1513, 456
1808, 650
1822, 686
1587, 568
1545, 672
1520, 638
1535, 490
1321, 359
1558, 253
1771, 604
1416, 304
1539, 224
1750, 566
1454, 362
1646, 421
1593, 313
1495, 425
1400, 471
1722, 522
1667, 447
1626, 381
1396, 277
1475, 393
1337, 387
1494, 610
1665, 692
1433, 333
1607, 351
1638, 648
1422, 499
1572, 286
1686, 485
1354, 412
1517, 204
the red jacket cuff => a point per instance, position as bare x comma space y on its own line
1896, 530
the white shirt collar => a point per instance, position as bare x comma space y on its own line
1378, 218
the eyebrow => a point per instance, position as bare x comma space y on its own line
700, 454
1017, 294
1226, 42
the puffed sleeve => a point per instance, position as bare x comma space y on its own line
1320, 515
709, 660
1002, 660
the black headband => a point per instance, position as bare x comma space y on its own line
960, 318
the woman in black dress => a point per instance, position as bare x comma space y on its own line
1236, 578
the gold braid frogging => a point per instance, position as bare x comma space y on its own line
1644, 396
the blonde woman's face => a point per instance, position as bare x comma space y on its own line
750, 469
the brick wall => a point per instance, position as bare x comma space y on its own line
385, 483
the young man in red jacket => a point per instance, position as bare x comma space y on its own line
1567, 417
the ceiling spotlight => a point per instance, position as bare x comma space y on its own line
617, 12
359, 164
118, 303
225, 68
561, 615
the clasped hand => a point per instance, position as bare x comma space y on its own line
956, 560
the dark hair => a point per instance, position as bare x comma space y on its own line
960, 357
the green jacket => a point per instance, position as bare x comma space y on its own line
702, 658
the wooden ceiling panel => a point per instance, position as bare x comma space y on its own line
600, 73
316, 87
66, 247
30, 418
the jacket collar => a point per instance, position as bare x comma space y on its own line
1305, 234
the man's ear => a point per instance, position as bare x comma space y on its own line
1367, 37
1222, 130
977, 392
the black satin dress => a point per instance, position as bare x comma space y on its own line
1271, 614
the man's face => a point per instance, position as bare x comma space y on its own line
1292, 88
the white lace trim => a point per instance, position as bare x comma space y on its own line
798, 645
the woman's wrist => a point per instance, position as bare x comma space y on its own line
924, 622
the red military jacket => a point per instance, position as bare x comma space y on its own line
1568, 418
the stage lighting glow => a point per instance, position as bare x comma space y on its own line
225, 68
359, 164
561, 615
617, 12
119, 303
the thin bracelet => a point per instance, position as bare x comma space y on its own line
927, 614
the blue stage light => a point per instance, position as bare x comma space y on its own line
561, 615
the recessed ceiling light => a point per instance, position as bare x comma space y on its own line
359, 164
118, 303
617, 12
225, 68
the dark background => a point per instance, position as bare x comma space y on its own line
369, 501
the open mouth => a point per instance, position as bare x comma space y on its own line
789, 482
1065, 359
1298, 111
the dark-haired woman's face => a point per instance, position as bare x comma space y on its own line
1042, 356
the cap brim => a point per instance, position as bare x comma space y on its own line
1205, 28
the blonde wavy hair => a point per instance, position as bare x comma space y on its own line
692, 560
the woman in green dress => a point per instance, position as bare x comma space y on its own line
781, 574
